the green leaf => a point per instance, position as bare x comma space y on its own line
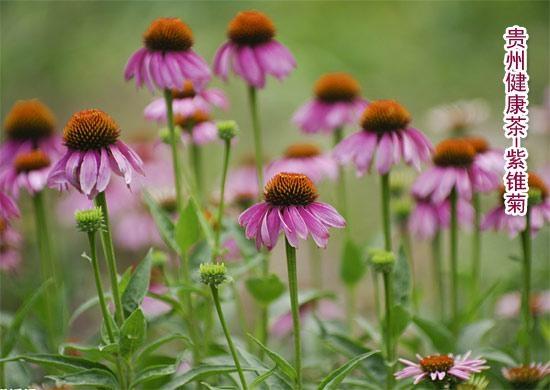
441, 337
149, 348
154, 372
87, 306
333, 380
353, 265
132, 333
199, 373
402, 280
93, 377
66, 363
262, 378
400, 320
92, 352
471, 311
138, 285
280, 361
187, 228
471, 336
265, 289
162, 220
10, 336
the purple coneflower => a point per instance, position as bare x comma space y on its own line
166, 61
10, 242
307, 159
489, 165
497, 219
197, 128
526, 377
509, 305
29, 125
93, 152
252, 52
290, 205
185, 102
441, 369
337, 103
387, 134
8, 208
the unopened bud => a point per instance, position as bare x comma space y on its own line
227, 130
213, 274
90, 221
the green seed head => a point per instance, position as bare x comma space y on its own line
213, 274
90, 221
381, 260
227, 130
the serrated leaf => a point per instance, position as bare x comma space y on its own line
138, 285
441, 337
132, 333
353, 265
280, 361
333, 380
187, 228
164, 224
402, 280
66, 363
199, 373
154, 372
93, 377
265, 289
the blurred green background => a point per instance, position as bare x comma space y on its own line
72, 54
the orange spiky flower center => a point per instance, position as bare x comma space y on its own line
290, 189
250, 28
90, 130
302, 151
480, 144
454, 153
29, 119
188, 122
186, 92
437, 363
31, 161
168, 34
524, 377
382, 116
535, 181
336, 87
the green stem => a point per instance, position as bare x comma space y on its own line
526, 288
109, 251
99, 288
376, 289
388, 304
47, 262
407, 247
189, 312
386, 211
295, 308
454, 256
228, 336
438, 274
227, 152
196, 163
174, 146
476, 244
341, 191
253, 102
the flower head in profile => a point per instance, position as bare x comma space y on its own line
29, 170
290, 206
526, 377
93, 153
167, 61
509, 304
386, 133
198, 128
337, 102
458, 117
441, 369
307, 159
497, 219
8, 208
29, 125
186, 101
252, 52
489, 165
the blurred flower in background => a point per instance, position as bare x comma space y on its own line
459, 117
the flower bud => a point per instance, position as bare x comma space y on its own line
535, 196
402, 209
164, 134
227, 130
90, 221
381, 260
213, 274
159, 258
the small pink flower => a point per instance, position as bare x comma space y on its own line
93, 153
441, 368
307, 159
252, 52
242, 184
167, 60
8, 208
386, 134
29, 125
290, 206
337, 103
197, 128
508, 305
186, 102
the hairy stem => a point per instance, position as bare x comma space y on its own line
227, 152
293, 290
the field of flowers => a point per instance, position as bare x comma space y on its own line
269, 195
